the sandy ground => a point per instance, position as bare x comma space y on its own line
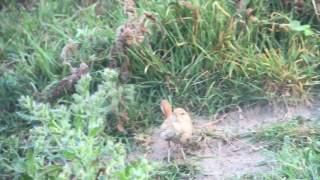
221, 148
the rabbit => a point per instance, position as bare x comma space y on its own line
177, 126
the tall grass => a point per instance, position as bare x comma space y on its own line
205, 57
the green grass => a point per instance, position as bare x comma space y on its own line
177, 171
206, 57
214, 65
294, 146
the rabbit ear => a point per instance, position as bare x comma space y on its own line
166, 108
162, 109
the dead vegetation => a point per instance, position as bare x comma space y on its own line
66, 85
316, 5
130, 33
67, 52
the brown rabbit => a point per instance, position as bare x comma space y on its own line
177, 126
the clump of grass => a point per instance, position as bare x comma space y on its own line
178, 170
298, 163
297, 132
295, 148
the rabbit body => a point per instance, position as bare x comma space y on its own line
177, 127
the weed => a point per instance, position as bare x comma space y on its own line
68, 140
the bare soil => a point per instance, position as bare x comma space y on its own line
221, 148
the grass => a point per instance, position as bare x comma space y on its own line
177, 171
297, 132
216, 64
206, 56
295, 147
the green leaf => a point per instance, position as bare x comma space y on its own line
308, 32
69, 154
296, 26
95, 131
49, 170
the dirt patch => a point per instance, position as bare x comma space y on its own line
224, 150
226, 160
